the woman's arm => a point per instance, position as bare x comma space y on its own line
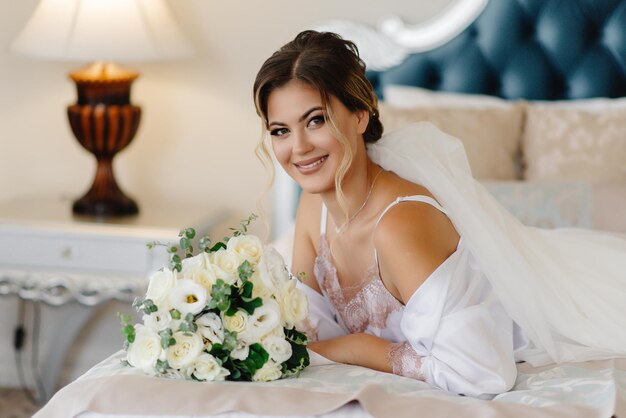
357, 349
304, 250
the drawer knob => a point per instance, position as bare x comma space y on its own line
66, 252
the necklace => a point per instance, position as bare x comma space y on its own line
343, 227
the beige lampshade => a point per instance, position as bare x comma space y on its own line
109, 30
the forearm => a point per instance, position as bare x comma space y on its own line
357, 349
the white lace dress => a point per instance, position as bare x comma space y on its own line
453, 332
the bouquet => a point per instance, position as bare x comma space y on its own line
229, 312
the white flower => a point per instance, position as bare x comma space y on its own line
272, 270
210, 327
241, 351
161, 284
270, 371
238, 322
278, 348
249, 247
226, 264
264, 319
145, 350
294, 305
158, 320
206, 368
188, 297
188, 347
200, 270
259, 288
277, 267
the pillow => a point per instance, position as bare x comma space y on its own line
545, 205
409, 96
563, 204
491, 136
574, 144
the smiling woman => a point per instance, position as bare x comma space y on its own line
410, 280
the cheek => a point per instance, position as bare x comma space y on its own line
282, 152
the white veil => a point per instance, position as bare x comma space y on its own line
566, 288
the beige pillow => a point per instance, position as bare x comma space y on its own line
574, 144
491, 136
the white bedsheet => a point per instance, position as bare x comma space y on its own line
592, 389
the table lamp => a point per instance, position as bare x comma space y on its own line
103, 119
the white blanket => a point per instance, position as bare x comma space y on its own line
591, 389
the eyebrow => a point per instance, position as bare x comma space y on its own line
303, 117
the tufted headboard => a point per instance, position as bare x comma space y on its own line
531, 49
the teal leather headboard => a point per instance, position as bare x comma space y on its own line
527, 49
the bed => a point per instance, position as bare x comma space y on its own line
535, 90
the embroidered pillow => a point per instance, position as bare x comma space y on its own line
574, 144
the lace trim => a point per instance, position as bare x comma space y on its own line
367, 304
404, 361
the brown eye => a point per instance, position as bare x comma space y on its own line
316, 121
279, 132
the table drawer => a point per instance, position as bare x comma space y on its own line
77, 252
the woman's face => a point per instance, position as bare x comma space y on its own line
302, 141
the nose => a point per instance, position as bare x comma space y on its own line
301, 144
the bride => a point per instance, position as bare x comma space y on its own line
410, 266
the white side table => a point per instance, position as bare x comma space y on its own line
48, 255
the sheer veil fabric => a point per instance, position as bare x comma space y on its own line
565, 288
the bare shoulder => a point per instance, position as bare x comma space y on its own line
412, 239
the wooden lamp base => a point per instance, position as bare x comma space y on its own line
104, 122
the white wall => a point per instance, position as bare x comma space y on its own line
195, 142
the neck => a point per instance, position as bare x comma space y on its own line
356, 188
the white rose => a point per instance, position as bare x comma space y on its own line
145, 350
188, 297
277, 267
161, 284
206, 368
241, 351
278, 348
188, 347
210, 327
259, 289
238, 322
226, 265
270, 371
264, 319
158, 320
294, 305
249, 247
200, 270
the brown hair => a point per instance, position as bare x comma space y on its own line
332, 65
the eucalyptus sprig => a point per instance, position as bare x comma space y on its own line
185, 244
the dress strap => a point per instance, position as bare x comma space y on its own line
323, 220
415, 198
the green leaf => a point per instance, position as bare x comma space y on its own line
217, 246
128, 331
245, 270
204, 244
258, 355
220, 292
172, 249
161, 366
190, 233
185, 243
175, 313
166, 338
230, 340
